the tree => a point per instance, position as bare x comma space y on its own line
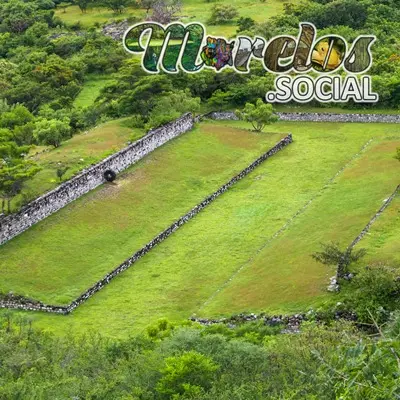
117, 6
17, 15
19, 115
219, 100
259, 115
64, 6
52, 132
331, 254
245, 24
14, 169
353, 13
189, 373
60, 172
148, 4
164, 11
13, 175
222, 14
82, 4
171, 106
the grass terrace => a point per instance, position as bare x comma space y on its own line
112, 222
382, 242
245, 252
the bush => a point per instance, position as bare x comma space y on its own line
188, 374
222, 14
373, 293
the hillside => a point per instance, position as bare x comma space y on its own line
194, 263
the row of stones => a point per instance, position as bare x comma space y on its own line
317, 117
14, 224
30, 305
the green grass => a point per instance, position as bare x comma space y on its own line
96, 15
283, 272
91, 90
200, 11
382, 242
192, 266
111, 223
79, 152
192, 11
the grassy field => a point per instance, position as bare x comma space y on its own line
245, 252
111, 223
91, 89
96, 15
382, 242
77, 153
192, 11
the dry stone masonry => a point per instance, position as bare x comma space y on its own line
89, 179
31, 305
317, 117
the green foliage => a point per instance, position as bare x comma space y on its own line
60, 172
259, 115
13, 175
171, 106
162, 329
83, 4
222, 14
116, 6
373, 293
331, 254
219, 100
188, 374
244, 24
318, 363
352, 13
366, 369
52, 132
17, 15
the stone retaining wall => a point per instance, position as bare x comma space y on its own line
317, 117
386, 204
14, 224
157, 240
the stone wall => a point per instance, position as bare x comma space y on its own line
157, 240
317, 117
14, 224
386, 204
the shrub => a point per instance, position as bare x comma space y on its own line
373, 293
188, 374
222, 14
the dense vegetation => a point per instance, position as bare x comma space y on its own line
326, 360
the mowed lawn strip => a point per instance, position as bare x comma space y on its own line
284, 273
57, 259
383, 240
178, 276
